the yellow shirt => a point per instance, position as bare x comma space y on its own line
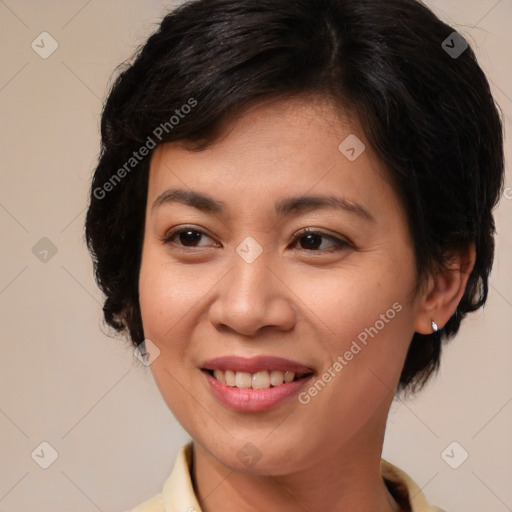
178, 493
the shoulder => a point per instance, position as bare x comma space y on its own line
177, 494
154, 504
410, 494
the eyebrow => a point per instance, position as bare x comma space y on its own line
283, 208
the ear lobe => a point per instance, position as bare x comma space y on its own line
444, 291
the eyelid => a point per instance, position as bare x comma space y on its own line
319, 231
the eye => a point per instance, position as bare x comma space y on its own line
310, 240
187, 236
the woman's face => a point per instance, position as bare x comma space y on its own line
244, 292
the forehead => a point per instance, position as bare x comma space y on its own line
281, 146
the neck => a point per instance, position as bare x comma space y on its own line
344, 478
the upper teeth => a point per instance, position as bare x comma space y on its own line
259, 380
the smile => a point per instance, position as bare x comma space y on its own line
254, 384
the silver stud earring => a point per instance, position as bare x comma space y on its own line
434, 326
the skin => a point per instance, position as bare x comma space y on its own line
297, 302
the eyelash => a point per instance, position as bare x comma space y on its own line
340, 244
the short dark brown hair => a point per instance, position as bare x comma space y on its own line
428, 113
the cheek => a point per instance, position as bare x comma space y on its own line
357, 302
366, 320
166, 295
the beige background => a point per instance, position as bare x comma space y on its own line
66, 383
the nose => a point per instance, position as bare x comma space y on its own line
253, 296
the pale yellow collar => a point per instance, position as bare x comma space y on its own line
178, 492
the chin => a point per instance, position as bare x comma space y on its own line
256, 455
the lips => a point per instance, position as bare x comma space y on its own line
254, 384
256, 364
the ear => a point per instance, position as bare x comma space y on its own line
444, 291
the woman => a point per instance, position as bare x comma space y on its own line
291, 211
